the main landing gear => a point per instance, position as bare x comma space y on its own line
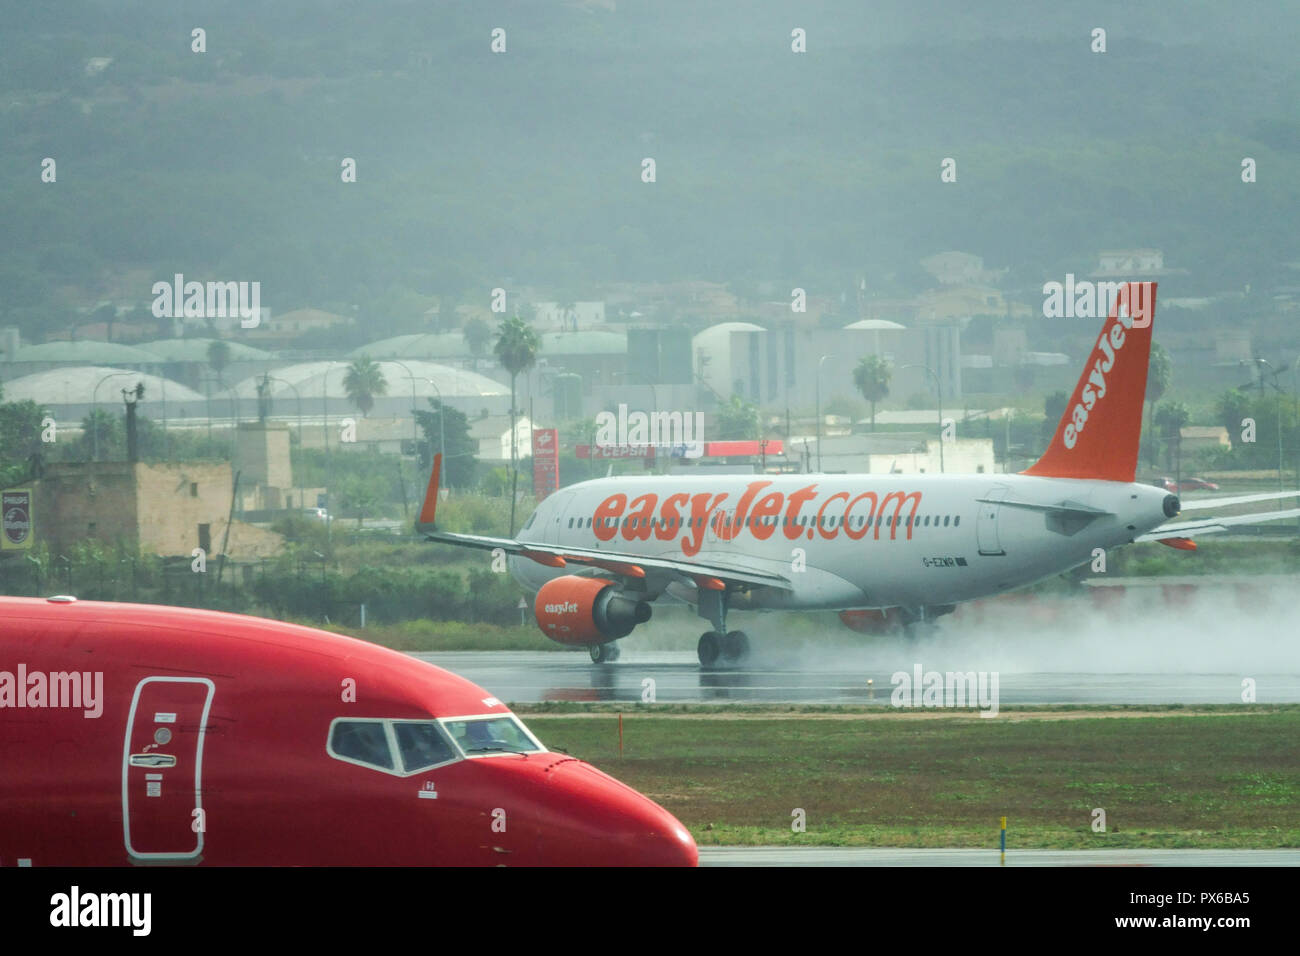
719, 646
729, 648
604, 653
920, 623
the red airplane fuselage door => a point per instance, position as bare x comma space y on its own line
162, 766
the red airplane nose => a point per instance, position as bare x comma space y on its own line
602, 822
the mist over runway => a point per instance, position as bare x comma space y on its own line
1199, 650
537, 676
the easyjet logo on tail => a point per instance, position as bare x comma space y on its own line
1098, 436
686, 518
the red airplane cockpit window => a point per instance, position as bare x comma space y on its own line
364, 741
422, 745
483, 735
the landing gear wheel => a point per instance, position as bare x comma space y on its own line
918, 630
709, 648
604, 653
735, 646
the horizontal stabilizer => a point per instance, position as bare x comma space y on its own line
1204, 504
1182, 529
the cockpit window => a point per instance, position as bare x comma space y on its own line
484, 735
364, 741
421, 745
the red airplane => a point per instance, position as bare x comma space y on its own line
137, 734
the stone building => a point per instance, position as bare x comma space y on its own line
164, 508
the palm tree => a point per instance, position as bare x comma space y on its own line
516, 348
1160, 373
476, 334
218, 358
871, 378
1232, 406
364, 380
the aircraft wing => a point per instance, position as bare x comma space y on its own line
1184, 529
711, 575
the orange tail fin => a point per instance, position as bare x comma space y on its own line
430, 506
1099, 433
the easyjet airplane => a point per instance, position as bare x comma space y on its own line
134, 734
884, 550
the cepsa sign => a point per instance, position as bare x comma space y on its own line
687, 516
546, 461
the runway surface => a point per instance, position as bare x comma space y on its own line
536, 676
861, 856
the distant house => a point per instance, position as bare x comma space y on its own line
1198, 437
959, 268
569, 316
307, 320
1135, 264
493, 437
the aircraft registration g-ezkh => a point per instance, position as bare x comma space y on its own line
884, 550
145, 735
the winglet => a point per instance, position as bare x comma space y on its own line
1099, 433
430, 506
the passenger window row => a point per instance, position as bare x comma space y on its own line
827, 521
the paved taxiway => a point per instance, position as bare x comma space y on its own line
862, 856
535, 676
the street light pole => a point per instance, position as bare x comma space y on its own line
1264, 364
167, 448
329, 461
94, 407
415, 428
654, 397
442, 414
298, 396
234, 420
938, 384
819, 412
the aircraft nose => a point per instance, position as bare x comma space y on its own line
607, 823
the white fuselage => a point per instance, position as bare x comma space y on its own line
850, 541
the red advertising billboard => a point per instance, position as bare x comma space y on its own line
708, 449
546, 461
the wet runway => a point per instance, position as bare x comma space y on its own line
536, 676
861, 856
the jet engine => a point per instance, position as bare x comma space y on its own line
587, 611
